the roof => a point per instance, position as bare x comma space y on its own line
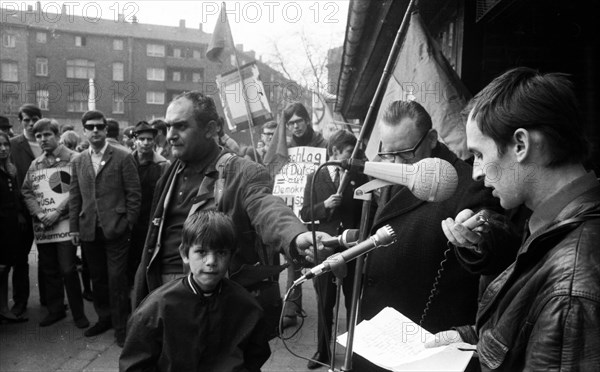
105, 27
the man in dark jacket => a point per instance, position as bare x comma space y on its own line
206, 176
104, 204
419, 275
151, 166
24, 149
541, 313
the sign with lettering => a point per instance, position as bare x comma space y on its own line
51, 188
291, 179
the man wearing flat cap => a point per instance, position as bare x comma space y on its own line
151, 166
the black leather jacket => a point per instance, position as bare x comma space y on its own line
543, 312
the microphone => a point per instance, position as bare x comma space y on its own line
477, 219
346, 239
384, 236
431, 179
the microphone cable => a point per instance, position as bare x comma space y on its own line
434, 287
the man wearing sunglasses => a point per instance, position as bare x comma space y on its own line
104, 205
402, 275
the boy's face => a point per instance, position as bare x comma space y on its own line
208, 266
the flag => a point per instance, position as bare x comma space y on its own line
221, 42
277, 153
423, 74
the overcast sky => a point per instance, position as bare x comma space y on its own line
255, 24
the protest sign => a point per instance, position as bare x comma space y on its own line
51, 188
291, 179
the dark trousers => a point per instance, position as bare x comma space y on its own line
326, 293
107, 261
20, 275
59, 270
138, 238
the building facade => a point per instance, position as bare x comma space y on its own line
136, 68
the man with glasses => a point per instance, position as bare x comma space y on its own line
103, 207
24, 149
402, 275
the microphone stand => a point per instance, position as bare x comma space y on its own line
364, 193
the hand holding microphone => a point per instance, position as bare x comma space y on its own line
384, 236
466, 229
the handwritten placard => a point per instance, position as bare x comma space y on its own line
291, 179
51, 188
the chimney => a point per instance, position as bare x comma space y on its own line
121, 18
201, 27
239, 47
182, 23
134, 19
252, 54
38, 6
30, 8
64, 10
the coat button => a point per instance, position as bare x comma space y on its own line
370, 282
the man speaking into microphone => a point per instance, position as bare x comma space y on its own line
402, 275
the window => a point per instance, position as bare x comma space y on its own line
81, 69
232, 60
77, 102
42, 99
196, 54
118, 44
155, 98
176, 76
117, 71
155, 74
41, 37
155, 50
118, 105
196, 77
9, 40
10, 71
80, 41
177, 52
41, 66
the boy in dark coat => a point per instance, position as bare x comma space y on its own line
203, 321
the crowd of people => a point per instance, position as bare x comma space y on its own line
181, 234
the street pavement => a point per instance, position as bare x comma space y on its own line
62, 346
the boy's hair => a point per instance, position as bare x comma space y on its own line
208, 228
524, 98
160, 125
43, 124
340, 140
112, 128
31, 110
70, 139
270, 125
93, 115
298, 109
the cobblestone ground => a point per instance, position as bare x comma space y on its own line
62, 346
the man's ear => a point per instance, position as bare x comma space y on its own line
211, 129
432, 137
522, 144
183, 254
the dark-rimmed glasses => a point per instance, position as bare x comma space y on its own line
91, 127
407, 154
290, 124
